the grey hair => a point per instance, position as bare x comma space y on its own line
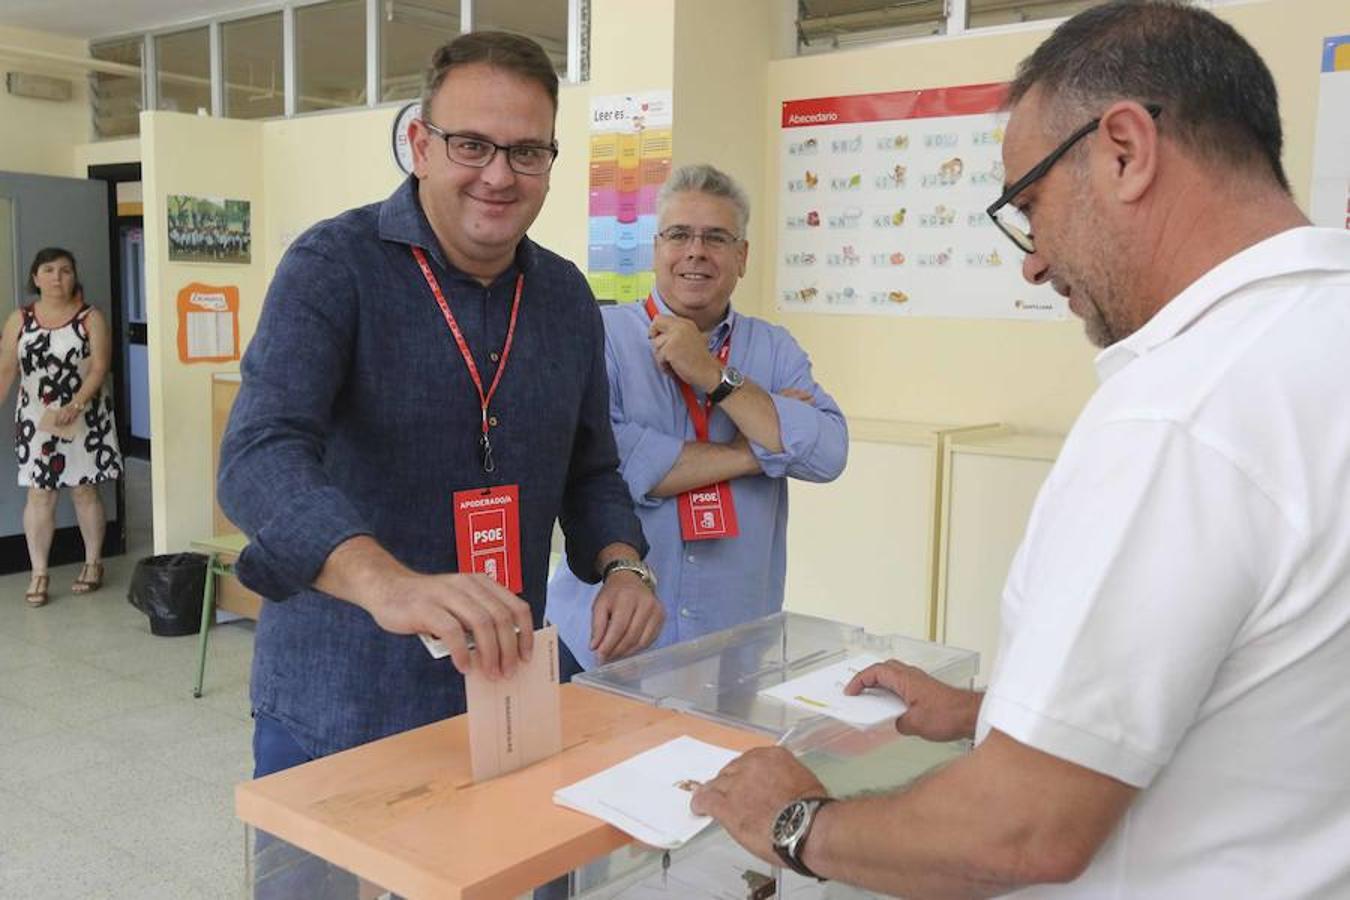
1216, 93
706, 179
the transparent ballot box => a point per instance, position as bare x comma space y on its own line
720, 677
395, 811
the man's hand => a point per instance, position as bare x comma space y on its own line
937, 711
626, 617
449, 608
797, 394
747, 795
681, 348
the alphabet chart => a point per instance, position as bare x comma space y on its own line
881, 208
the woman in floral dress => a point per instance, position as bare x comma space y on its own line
64, 435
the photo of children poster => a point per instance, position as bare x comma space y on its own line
209, 229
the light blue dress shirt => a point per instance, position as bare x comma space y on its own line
706, 585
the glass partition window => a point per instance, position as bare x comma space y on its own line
250, 50
116, 99
409, 33
330, 55
984, 13
824, 25
543, 20
183, 61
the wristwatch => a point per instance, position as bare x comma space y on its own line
636, 566
731, 380
790, 830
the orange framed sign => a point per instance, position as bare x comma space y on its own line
208, 323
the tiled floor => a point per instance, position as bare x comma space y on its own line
114, 781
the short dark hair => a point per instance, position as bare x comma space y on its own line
1217, 95
512, 52
46, 255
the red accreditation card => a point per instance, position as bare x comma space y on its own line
708, 512
487, 534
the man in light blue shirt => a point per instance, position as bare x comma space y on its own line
686, 359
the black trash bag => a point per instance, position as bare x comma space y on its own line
168, 589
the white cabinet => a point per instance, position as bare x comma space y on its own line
990, 483
863, 549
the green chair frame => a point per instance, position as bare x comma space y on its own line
224, 545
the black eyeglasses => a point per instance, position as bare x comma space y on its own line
478, 152
1011, 220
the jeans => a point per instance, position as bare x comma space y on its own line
281, 871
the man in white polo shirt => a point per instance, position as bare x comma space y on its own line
1170, 713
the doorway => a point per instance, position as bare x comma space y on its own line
39, 211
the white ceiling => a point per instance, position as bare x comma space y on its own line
87, 19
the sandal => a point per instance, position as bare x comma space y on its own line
86, 584
37, 591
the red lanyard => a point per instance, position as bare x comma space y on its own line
484, 399
698, 412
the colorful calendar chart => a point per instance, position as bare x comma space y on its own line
630, 160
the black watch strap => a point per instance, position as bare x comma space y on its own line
720, 393
793, 857
731, 380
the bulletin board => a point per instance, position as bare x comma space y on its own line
882, 208
208, 323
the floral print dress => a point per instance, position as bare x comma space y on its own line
52, 367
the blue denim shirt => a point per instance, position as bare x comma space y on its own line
357, 416
707, 585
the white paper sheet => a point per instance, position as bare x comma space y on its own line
642, 795
822, 691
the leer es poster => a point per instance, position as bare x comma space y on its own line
882, 208
630, 160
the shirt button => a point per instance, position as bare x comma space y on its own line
689, 558
684, 611
494, 356
492, 420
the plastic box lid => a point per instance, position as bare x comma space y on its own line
720, 675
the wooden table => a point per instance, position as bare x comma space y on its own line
403, 813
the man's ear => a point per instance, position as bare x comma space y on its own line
419, 141
1129, 141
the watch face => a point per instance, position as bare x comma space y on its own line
734, 376
789, 822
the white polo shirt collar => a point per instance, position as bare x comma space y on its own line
1302, 249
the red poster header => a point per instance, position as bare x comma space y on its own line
967, 100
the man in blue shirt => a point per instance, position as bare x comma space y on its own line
417, 357
713, 505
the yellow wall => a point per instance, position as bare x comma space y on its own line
205, 157
632, 45
727, 94
104, 153
1034, 375
720, 80
39, 136
314, 167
